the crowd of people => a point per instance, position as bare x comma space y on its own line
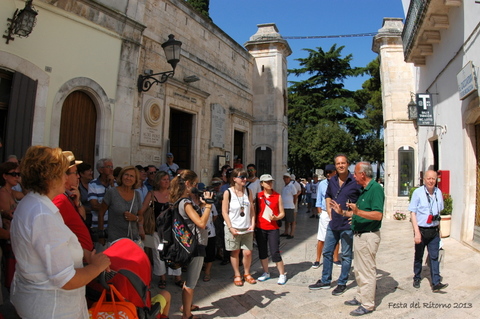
57, 219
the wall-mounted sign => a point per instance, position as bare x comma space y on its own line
219, 117
467, 82
424, 109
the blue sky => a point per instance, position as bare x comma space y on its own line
239, 19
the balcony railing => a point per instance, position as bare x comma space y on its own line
416, 13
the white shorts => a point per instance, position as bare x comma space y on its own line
322, 225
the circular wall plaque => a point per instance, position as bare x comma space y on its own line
152, 113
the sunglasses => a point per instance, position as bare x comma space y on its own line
14, 174
242, 177
251, 170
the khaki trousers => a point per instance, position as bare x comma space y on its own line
365, 248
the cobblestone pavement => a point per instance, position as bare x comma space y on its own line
395, 298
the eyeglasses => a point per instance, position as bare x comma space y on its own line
108, 166
71, 173
151, 173
242, 177
14, 174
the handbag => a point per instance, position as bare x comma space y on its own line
149, 217
118, 308
137, 240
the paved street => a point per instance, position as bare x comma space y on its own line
396, 298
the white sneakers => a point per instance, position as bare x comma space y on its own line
282, 279
264, 277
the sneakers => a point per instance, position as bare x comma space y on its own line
282, 279
316, 265
319, 285
353, 302
360, 311
264, 277
416, 283
439, 286
339, 290
289, 237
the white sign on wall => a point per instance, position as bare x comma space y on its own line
219, 117
467, 82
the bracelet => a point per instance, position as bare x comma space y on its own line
208, 206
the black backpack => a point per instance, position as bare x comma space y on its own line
178, 242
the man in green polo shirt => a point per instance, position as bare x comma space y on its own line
367, 216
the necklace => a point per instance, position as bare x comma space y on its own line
242, 207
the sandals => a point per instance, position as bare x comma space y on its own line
237, 280
162, 284
179, 283
248, 278
206, 277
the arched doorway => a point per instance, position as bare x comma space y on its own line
78, 126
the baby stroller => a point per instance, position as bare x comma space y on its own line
130, 274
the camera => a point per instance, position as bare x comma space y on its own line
433, 218
200, 193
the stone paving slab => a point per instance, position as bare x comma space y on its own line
395, 298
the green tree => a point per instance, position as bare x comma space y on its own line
326, 119
323, 117
202, 6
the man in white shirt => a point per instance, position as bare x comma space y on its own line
289, 197
253, 183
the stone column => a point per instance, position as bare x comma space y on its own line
270, 52
398, 82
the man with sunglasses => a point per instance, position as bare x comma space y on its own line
151, 170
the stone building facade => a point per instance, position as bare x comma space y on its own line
436, 53
83, 60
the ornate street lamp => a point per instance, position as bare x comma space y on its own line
172, 49
412, 108
22, 22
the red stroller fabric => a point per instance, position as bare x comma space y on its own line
134, 271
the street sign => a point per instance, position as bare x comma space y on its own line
424, 109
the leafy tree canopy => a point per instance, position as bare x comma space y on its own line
325, 118
202, 6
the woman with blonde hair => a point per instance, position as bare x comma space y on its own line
239, 216
181, 189
123, 204
50, 277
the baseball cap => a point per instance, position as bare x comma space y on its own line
266, 178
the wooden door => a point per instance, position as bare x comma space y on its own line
78, 126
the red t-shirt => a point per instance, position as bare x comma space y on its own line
73, 220
272, 202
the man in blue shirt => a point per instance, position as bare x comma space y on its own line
425, 207
324, 220
341, 188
